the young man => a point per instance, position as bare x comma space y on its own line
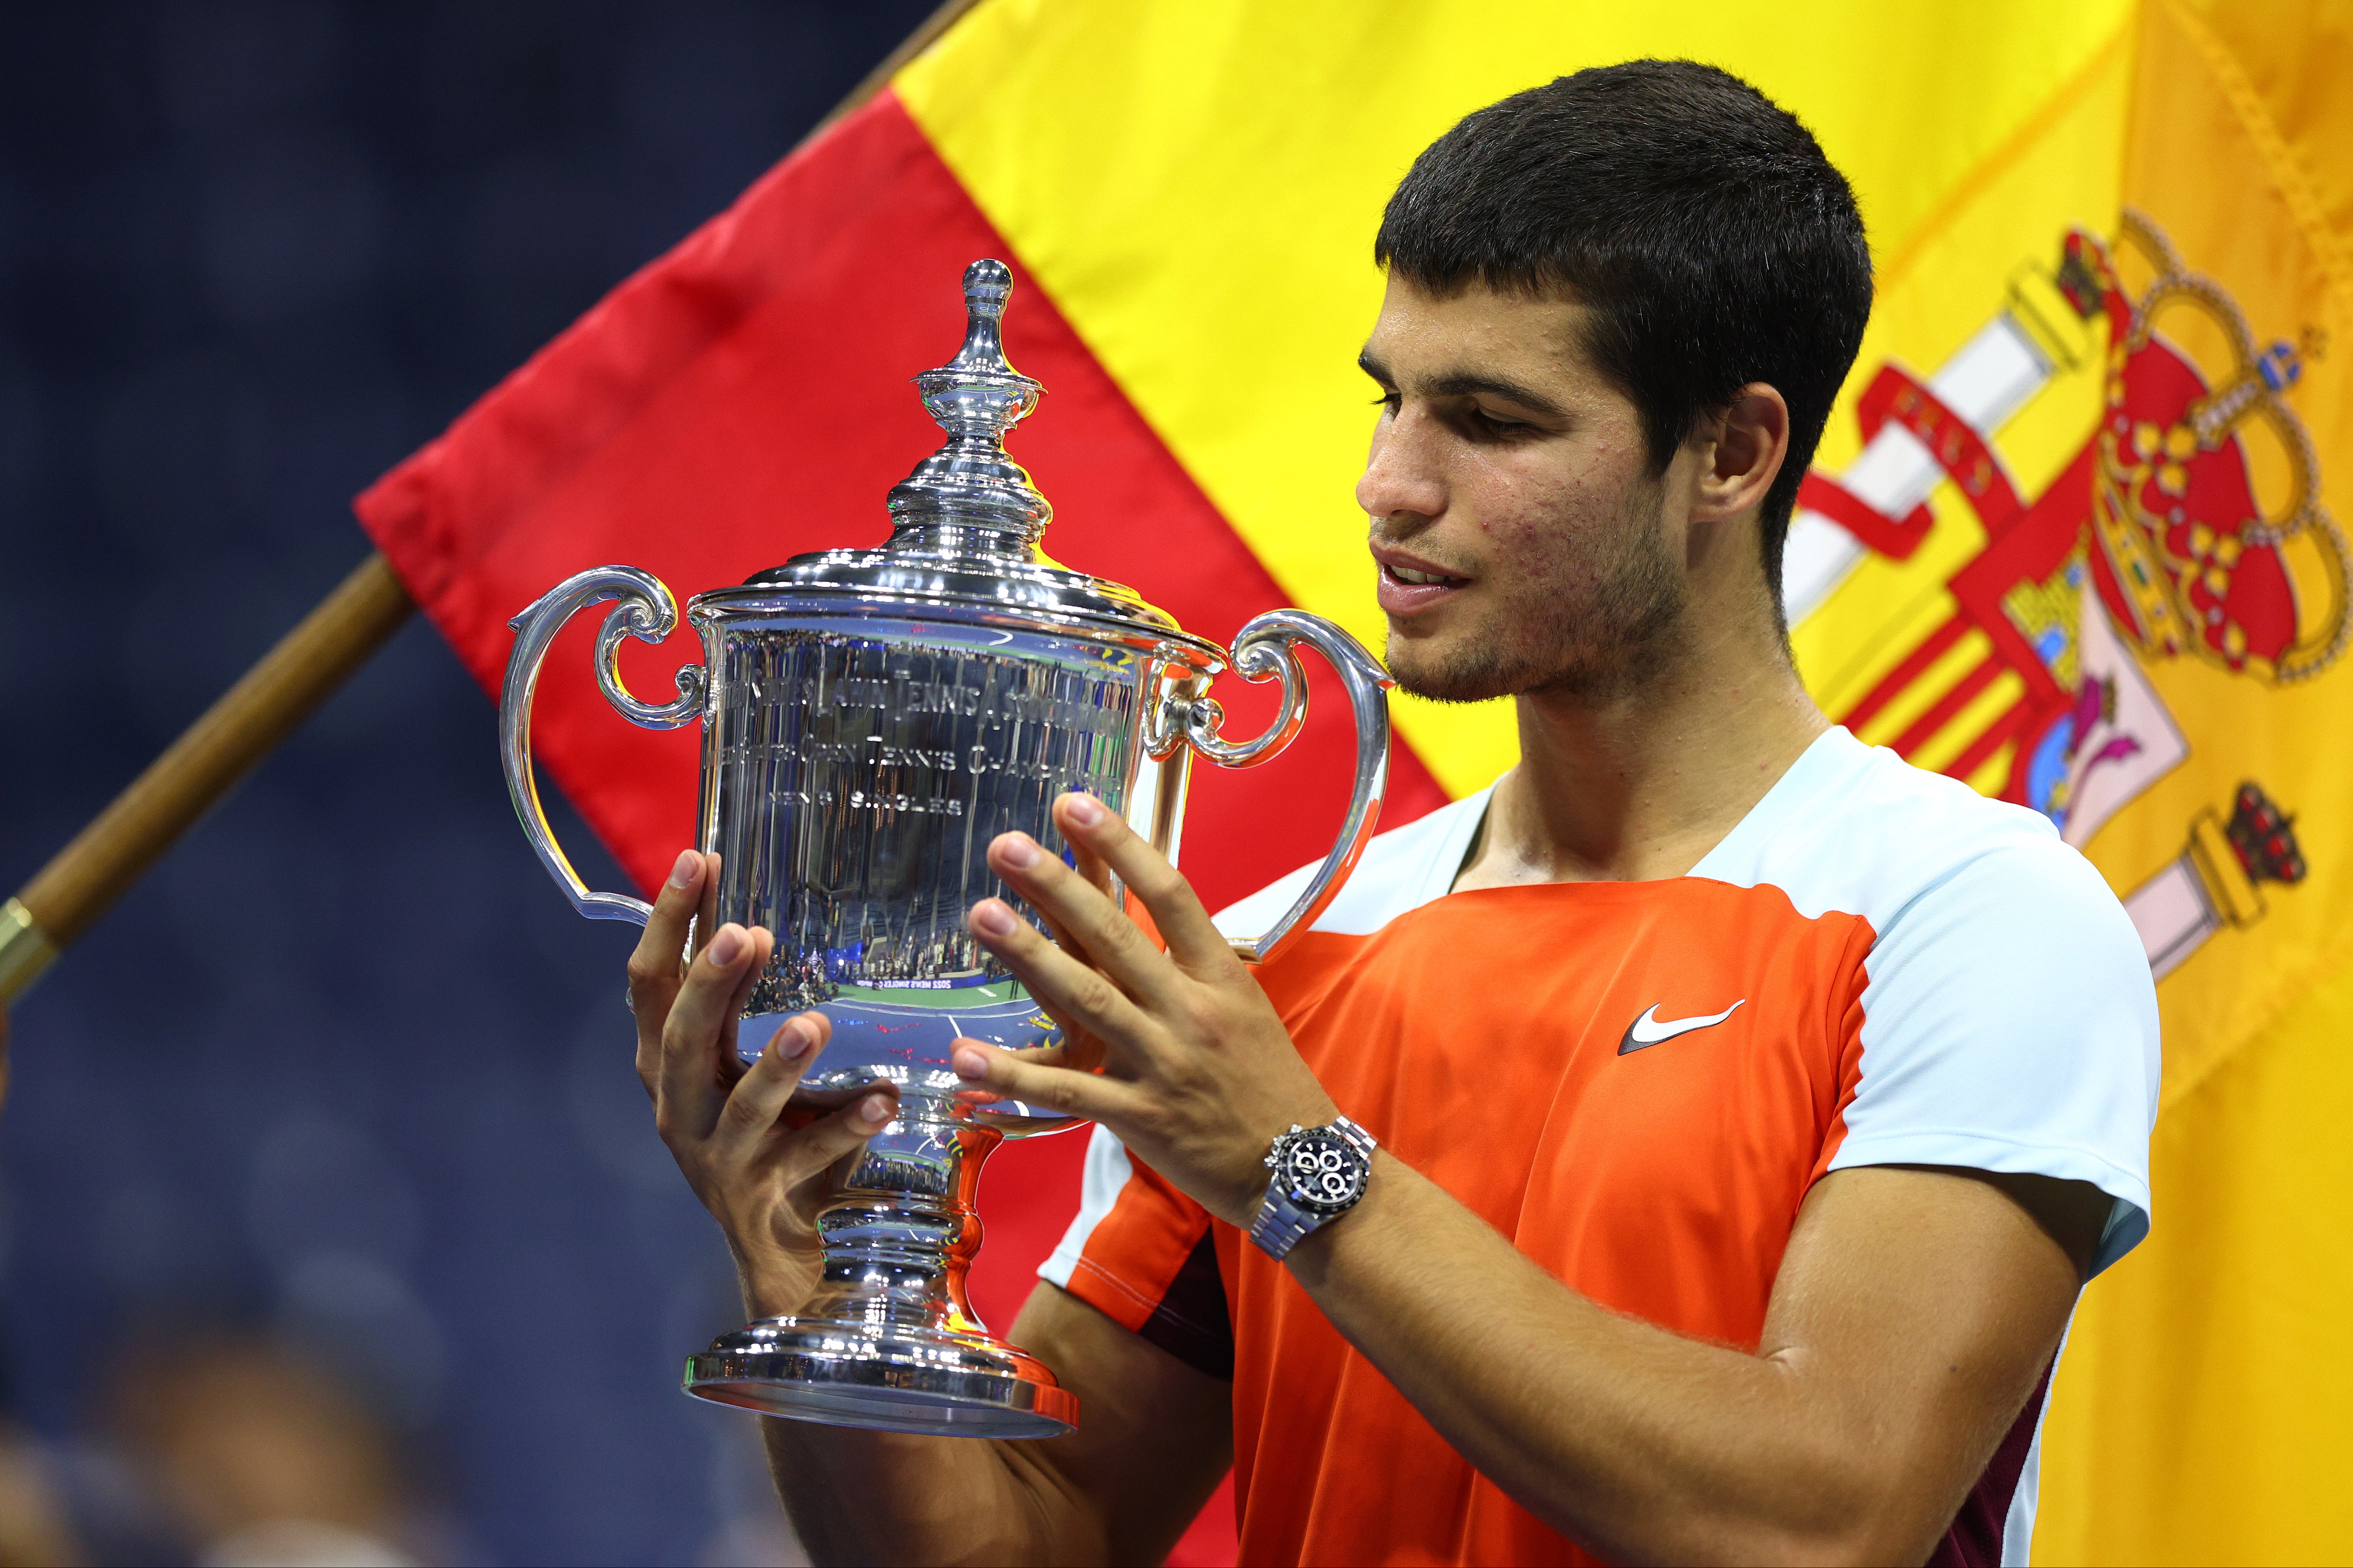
1750, 1107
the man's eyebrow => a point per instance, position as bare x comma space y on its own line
1463, 384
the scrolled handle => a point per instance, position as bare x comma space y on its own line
645, 612
1267, 649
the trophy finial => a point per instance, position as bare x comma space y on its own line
987, 284
968, 499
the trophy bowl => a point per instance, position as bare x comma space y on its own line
872, 720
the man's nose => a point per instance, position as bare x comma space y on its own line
1401, 472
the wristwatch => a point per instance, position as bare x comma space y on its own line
1319, 1174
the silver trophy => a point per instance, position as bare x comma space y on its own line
871, 719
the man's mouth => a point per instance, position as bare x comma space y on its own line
1406, 589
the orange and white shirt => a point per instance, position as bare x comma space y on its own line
1637, 1082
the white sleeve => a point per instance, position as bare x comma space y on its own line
1107, 1173
2009, 1024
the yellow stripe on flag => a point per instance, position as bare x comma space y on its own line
2199, 1415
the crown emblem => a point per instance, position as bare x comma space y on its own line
2191, 558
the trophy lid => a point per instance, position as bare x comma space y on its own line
965, 524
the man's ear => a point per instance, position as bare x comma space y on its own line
1748, 443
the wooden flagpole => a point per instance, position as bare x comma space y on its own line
82, 880
309, 665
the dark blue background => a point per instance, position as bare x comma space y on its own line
344, 1065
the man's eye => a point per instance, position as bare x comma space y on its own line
1389, 400
1493, 426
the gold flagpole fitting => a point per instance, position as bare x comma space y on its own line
25, 949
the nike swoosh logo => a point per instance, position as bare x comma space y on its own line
1649, 1029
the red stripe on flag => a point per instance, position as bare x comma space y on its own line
1892, 683
1986, 744
1940, 713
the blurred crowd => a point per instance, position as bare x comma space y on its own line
218, 1449
224, 1449
325, 1140
236, 1451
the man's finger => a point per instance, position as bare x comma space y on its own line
706, 911
654, 966
687, 1088
1078, 995
808, 1153
751, 1106
1060, 1054
1091, 868
1096, 874
1176, 909
764, 946
1082, 1094
1091, 865
1086, 915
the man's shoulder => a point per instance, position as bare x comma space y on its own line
1400, 870
1859, 831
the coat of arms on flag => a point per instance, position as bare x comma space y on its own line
2189, 525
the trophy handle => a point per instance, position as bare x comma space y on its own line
645, 612
1268, 648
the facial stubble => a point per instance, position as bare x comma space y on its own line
1585, 645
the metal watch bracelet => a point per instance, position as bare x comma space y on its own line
1282, 1224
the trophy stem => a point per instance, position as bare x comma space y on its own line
901, 1233
890, 1340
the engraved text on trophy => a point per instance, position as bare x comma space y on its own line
860, 783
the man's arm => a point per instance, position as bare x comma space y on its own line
1913, 1314
1154, 1434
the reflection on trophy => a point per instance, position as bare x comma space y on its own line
872, 720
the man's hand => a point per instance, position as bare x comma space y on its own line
1156, 1436
761, 1177
1198, 1074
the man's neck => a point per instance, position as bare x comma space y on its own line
1643, 785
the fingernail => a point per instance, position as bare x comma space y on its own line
876, 1111
991, 917
1019, 850
728, 945
1084, 809
970, 1064
792, 1041
682, 874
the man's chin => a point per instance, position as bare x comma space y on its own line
1446, 675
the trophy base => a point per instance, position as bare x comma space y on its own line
883, 1377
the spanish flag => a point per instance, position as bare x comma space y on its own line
2071, 536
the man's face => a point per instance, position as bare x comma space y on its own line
1522, 540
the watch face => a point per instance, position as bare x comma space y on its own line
1322, 1173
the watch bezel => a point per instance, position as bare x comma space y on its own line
1322, 1137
